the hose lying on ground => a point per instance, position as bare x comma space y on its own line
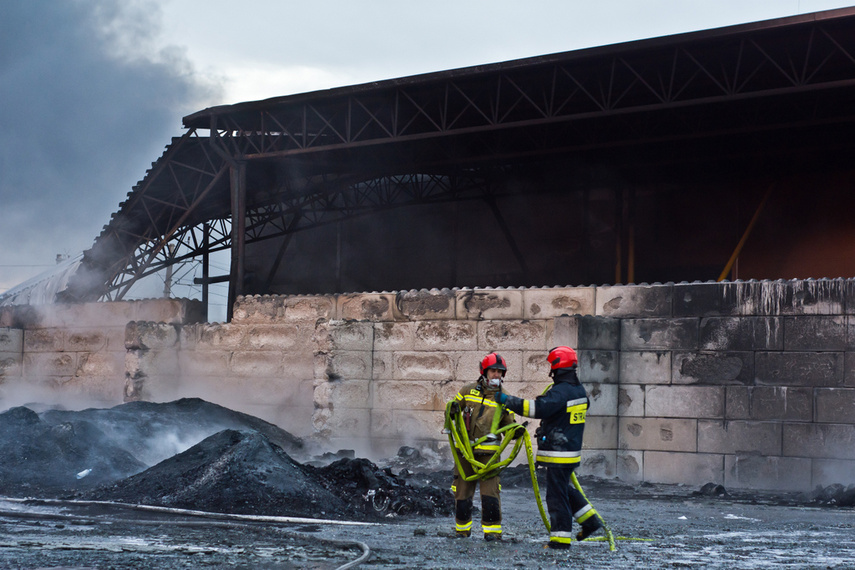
224, 520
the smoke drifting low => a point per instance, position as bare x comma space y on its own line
89, 101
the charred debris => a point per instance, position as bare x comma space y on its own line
192, 454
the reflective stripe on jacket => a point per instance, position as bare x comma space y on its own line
481, 403
562, 409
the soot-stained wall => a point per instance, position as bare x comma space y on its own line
748, 384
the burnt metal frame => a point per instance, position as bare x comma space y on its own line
502, 112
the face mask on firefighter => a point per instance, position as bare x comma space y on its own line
494, 377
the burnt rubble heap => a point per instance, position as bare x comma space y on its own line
140, 453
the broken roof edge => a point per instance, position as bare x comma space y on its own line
201, 119
44, 287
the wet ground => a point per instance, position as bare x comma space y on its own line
655, 527
189, 484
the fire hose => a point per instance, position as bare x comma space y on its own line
461, 450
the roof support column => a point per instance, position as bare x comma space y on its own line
238, 199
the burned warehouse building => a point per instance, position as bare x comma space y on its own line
676, 207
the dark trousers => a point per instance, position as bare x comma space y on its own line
562, 499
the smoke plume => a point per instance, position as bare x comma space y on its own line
90, 99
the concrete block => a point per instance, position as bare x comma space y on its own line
645, 367
601, 432
424, 366
412, 425
741, 333
737, 402
599, 366
382, 367
251, 309
426, 305
849, 369
603, 398
823, 441
343, 394
417, 395
813, 296
103, 364
694, 469
835, 405
49, 364
11, 340
598, 333
713, 368
151, 363
810, 333
248, 364
640, 301
535, 367
565, 332
351, 335
298, 365
739, 437
204, 363
547, 303
310, 308
849, 288
599, 463
171, 311
799, 368
784, 403
216, 336
10, 364
488, 304
347, 423
659, 334
149, 335
709, 299
394, 336
770, 473
630, 400
684, 402
643, 434
512, 335
850, 332
445, 335
348, 365
44, 340
382, 423
826, 472
630, 465
367, 306
285, 337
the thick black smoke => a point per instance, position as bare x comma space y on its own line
87, 102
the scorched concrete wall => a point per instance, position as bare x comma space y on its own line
74, 353
748, 384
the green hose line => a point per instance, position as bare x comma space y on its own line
609, 536
462, 449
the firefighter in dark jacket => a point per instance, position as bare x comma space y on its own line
477, 402
561, 409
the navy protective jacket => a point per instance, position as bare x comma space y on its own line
561, 409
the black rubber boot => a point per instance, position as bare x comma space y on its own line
589, 527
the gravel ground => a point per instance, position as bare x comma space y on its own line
679, 527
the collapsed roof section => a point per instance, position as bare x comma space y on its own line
759, 102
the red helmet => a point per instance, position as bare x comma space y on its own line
562, 357
493, 360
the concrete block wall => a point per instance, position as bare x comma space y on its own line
261, 363
747, 384
74, 353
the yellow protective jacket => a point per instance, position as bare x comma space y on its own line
478, 403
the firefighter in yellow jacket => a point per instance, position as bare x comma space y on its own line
477, 402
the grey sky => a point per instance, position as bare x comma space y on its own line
92, 90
